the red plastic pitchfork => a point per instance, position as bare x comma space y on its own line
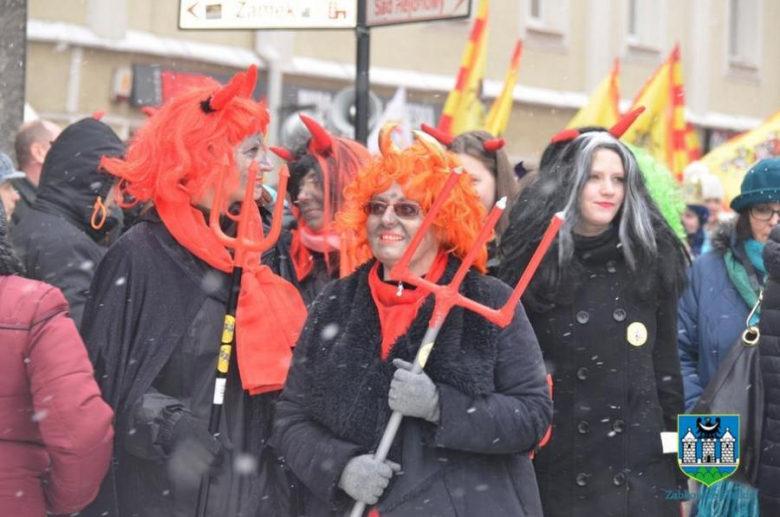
447, 296
242, 245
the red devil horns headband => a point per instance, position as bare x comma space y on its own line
494, 144
446, 139
442, 137
241, 85
283, 153
617, 130
321, 139
623, 124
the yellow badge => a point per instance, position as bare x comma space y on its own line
425, 351
637, 334
223, 362
228, 329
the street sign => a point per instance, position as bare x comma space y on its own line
267, 14
391, 12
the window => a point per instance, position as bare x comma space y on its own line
535, 11
645, 26
544, 22
744, 33
633, 33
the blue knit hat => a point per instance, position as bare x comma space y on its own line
760, 185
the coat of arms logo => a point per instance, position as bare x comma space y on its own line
708, 446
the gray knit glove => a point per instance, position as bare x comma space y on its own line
364, 478
413, 394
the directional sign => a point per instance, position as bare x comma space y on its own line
268, 14
389, 12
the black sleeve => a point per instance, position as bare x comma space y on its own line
666, 361
148, 424
515, 417
71, 267
311, 450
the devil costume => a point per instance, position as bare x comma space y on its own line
154, 322
494, 405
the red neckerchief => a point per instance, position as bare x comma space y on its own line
304, 241
396, 313
270, 311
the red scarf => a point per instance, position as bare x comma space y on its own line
396, 313
270, 311
304, 241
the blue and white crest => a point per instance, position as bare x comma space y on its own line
708, 446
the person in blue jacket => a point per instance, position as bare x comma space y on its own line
724, 286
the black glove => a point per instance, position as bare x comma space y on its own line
193, 452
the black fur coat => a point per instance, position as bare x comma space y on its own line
494, 405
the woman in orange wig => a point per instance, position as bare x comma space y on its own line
482, 399
154, 321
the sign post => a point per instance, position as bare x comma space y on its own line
360, 15
394, 12
268, 14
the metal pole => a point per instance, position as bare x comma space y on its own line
362, 85
396, 418
13, 60
224, 357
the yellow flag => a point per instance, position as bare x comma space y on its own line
463, 111
731, 160
498, 117
661, 130
602, 107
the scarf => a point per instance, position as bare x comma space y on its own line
304, 241
270, 311
741, 279
755, 253
728, 499
398, 304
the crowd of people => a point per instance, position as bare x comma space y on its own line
119, 262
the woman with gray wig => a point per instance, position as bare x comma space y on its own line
603, 304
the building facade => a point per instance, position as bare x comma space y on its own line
89, 55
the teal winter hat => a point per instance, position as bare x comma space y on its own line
760, 185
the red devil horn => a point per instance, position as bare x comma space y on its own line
565, 136
98, 115
283, 153
226, 94
149, 111
624, 123
250, 80
321, 139
441, 136
494, 144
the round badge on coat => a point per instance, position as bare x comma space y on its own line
637, 334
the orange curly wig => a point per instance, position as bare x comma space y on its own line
184, 147
421, 170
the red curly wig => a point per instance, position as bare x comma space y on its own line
421, 170
182, 149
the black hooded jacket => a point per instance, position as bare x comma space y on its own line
55, 240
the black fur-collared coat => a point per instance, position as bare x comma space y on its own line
495, 405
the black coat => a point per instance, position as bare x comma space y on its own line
152, 326
495, 406
612, 399
27, 194
769, 344
54, 240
